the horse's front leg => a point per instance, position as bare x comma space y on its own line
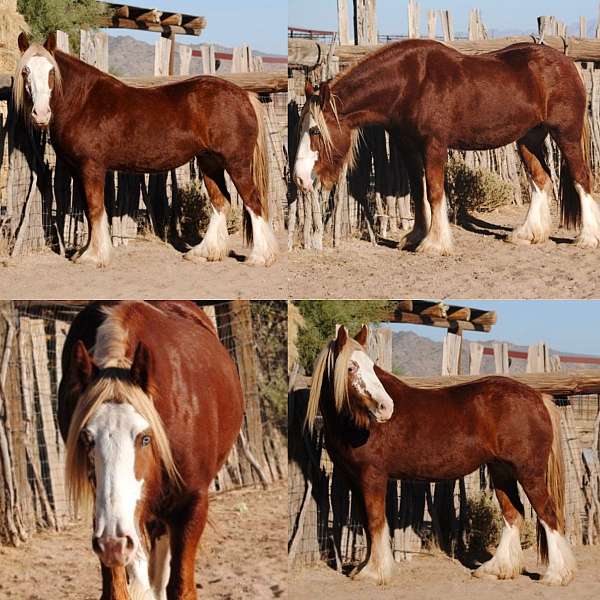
99, 246
185, 530
439, 238
379, 565
114, 583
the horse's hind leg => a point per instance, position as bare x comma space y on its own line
554, 548
215, 245
439, 238
264, 243
380, 559
537, 225
507, 563
580, 174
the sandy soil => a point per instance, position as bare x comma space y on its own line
434, 577
242, 555
145, 268
483, 266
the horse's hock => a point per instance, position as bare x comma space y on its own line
32, 453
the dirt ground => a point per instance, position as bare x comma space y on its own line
145, 268
483, 266
242, 555
434, 577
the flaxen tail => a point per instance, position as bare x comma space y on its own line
570, 205
555, 478
260, 166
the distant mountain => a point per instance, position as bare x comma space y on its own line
130, 57
417, 356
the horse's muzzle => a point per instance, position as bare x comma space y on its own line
114, 551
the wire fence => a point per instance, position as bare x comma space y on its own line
31, 448
42, 206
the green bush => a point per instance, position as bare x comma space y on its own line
70, 16
475, 189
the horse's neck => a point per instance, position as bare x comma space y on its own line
355, 103
77, 77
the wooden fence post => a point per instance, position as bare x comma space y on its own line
62, 41
94, 49
185, 58
162, 56
414, 22
343, 34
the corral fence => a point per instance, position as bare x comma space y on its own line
32, 491
374, 201
326, 518
42, 206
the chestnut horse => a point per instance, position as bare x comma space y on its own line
149, 405
441, 434
431, 98
97, 124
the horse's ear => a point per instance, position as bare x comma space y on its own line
362, 335
86, 369
324, 94
141, 367
341, 339
23, 42
309, 89
50, 43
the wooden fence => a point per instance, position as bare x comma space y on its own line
326, 519
32, 492
374, 202
40, 204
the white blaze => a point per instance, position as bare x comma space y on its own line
367, 382
38, 87
114, 429
306, 157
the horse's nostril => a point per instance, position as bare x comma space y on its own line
96, 545
130, 542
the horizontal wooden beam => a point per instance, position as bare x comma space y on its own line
440, 310
175, 19
150, 16
445, 323
122, 11
185, 29
259, 82
557, 384
308, 53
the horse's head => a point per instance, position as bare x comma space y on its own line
116, 450
353, 382
326, 143
36, 79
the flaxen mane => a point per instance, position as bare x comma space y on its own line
113, 385
336, 372
19, 82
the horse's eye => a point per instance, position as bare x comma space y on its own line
314, 131
352, 368
25, 71
145, 440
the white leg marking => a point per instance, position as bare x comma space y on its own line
561, 561
99, 246
507, 563
160, 566
439, 238
215, 245
589, 237
380, 565
264, 248
538, 223
139, 584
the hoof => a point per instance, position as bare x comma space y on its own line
87, 258
489, 570
563, 578
196, 258
373, 575
433, 248
588, 242
261, 261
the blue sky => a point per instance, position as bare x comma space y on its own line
567, 325
499, 15
260, 23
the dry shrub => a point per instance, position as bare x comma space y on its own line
475, 189
196, 210
485, 524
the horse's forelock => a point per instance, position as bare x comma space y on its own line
19, 82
